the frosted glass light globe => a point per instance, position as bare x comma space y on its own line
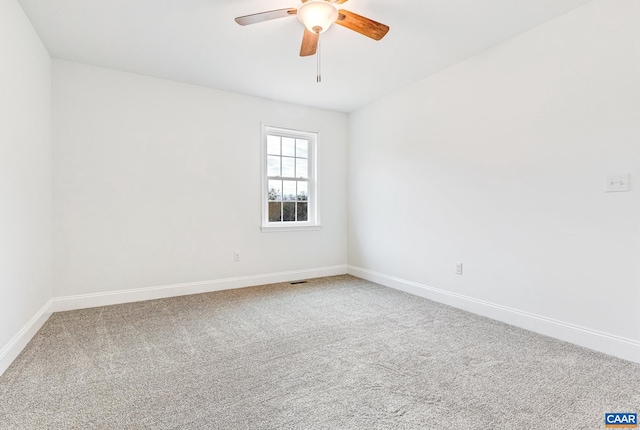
317, 15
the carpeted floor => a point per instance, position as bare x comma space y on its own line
334, 353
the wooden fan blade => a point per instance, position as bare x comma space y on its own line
334, 2
265, 16
362, 25
309, 43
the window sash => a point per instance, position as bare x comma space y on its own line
305, 207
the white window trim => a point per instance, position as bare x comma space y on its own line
313, 222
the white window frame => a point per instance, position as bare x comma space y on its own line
313, 212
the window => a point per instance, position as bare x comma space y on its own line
289, 189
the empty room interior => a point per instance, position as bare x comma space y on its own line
426, 215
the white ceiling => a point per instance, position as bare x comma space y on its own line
198, 42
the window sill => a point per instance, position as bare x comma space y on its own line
279, 229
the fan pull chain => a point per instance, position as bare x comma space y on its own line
319, 74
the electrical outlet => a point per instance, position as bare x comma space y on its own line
236, 256
458, 268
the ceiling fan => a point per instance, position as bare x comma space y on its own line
317, 16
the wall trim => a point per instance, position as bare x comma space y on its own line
617, 346
14, 347
621, 347
82, 301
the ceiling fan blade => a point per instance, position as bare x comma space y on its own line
309, 43
265, 16
340, 1
362, 25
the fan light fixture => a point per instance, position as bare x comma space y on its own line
317, 15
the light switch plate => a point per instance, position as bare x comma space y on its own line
458, 268
617, 183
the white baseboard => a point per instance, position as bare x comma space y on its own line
617, 346
627, 349
11, 350
83, 301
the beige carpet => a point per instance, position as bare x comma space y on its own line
334, 353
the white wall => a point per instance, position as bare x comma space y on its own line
158, 183
25, 176
499, 162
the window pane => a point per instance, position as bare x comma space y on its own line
273, 145
288, 178
275, 190
273, 165
275, 211
289, 211
289, 146
288, 167
302, 148
301, 168
302, 211
303, 191
289, 190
